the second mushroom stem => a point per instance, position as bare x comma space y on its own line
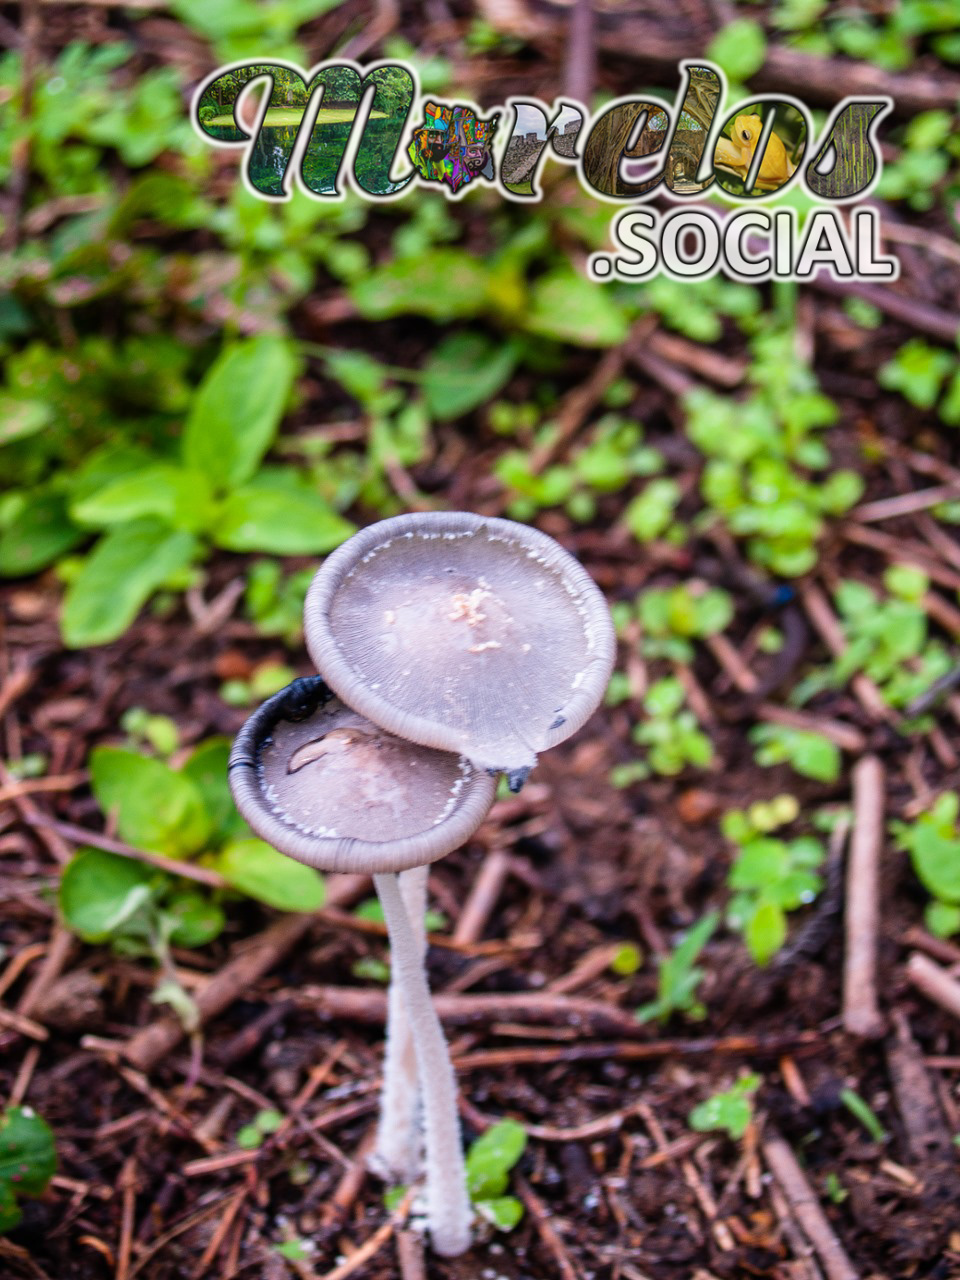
448, 1202
398, 1147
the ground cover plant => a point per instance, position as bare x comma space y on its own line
645, 960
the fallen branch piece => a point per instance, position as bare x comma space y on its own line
806, 1209
935, 983
861, 1013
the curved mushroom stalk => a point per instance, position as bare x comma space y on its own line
448, 1202
398, 1150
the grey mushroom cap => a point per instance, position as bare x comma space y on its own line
328, 787
462, 632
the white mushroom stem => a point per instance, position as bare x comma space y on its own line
448, 1202
396, 1155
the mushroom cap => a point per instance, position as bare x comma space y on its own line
329, 788
462, 632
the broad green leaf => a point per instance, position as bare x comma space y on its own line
293, 523
206, 768
40, 534
446, 284
235, 414
570, 308
22, 418
936, 860
179, 497
197, 919
739, 48
260, 871
10, 1212
465, 370
942, 919
760, 863
491, 1158
100, 892
28, 1153
156, 808
125, 568
504, 1212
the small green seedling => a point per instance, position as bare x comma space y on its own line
371, 968
678, 976
158, 733
933, 843
670, 733
863, 1112
671, 618
765, 459
28, 1160
274, 603
266, 680
370, 909
809, 754
769, 876
251, 1136
489, 1162
886, 639
730, 1111
627, 960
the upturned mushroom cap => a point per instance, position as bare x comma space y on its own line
462, 632
329, 788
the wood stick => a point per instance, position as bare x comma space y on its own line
152, 1043
807, 1210
861, 1012
483, 896
904, 504
633, 1050
935, 983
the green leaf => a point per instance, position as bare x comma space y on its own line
936, 860
28, 1153
292, 523
10, 1212
942, 919
197, 919
156, 808
739, 48
237, 409
40, 534
125, 568
760, 863
570, 308
255, 868
465, 370
766, 930
179, 497
22, 418
504, 1212
206, 768
491, 1158
100, 892
446, 284
731, 1111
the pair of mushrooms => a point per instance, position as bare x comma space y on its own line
452, 648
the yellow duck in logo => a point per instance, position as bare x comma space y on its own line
737, 154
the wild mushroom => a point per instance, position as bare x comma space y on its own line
328, 787
462, 632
